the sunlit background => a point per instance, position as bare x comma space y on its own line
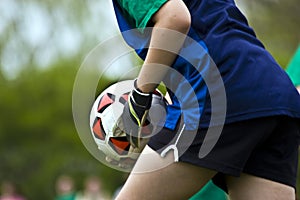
42, 45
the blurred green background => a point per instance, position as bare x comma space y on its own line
42, 45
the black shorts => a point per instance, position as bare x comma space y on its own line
264, 147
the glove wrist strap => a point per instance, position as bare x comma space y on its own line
140, 98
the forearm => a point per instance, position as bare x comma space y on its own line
171, 24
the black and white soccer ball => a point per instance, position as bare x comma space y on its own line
106, 110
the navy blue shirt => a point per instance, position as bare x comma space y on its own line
254, 84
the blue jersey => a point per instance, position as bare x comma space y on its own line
255, 85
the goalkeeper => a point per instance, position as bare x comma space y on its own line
255, 156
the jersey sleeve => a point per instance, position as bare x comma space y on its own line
293, 68
141, 11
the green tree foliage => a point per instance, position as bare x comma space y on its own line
276, 23
40, 32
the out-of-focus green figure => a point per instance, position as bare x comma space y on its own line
65, 188
210, 192
293, 69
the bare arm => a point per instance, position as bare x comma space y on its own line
171, 24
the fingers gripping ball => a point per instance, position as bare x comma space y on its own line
105, 112
157, 112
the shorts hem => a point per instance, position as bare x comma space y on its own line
272, 176
216, 166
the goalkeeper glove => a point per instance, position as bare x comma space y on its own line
133, 121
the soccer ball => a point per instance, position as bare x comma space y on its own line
106, 110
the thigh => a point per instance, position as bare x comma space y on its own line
163, 179
249, 187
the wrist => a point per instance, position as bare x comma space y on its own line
145, 88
